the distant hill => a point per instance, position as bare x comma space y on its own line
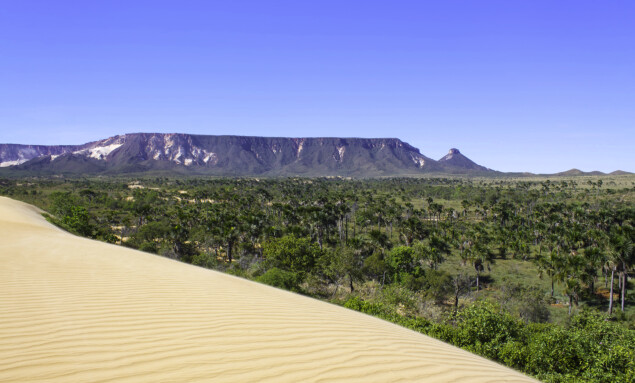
232, 156
619, 173
578, 172
455, 160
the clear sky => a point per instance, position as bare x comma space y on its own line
526, 85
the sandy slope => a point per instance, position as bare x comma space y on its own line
76, 310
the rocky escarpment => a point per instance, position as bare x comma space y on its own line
224, 155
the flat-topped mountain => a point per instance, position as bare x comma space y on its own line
232, 155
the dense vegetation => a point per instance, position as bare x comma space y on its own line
531, 273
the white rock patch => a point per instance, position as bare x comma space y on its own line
98, 152
12, 163
300, 147
341, 151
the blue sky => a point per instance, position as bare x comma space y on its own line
540, 86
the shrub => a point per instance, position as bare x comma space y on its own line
554, 349
206, 260
376, 309
78, 221
298, 255
437, 285
484, 329
282, 279
149, 247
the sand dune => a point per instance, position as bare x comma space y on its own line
76, 310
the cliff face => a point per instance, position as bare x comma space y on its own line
223, 155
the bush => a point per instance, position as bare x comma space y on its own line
484, 329
78, 221
401, 297
437, 285
289, 253
149, 247
402, 262
514, 354
376, 309
528, 302
206, 260
282, 279
554, 349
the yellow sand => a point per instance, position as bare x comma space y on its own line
76, 310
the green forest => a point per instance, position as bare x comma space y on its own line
533, 273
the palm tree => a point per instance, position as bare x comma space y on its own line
571, 276
613, 267
480, 256
593, 260
550, 264
624, 254
432, 252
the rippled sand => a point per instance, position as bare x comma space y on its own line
76, 310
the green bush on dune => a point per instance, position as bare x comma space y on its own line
589, 349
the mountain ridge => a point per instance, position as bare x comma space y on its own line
221, 155
233, 155
228, 155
